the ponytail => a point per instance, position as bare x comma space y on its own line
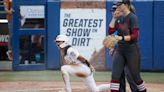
132, 9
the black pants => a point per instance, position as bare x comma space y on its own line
126, 74
126, 55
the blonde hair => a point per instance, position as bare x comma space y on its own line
132, 9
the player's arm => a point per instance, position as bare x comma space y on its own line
134, 30
83, 60
112, 24
74, 54
111, 28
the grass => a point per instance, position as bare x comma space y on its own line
153, 77
10, 76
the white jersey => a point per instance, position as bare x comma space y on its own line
71, 56
80, 70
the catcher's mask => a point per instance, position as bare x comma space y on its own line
62, 38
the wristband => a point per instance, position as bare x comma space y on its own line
87, 63
123, 38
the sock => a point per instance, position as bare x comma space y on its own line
141, 86
114, 86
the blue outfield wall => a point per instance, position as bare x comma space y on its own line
151, 40
158, 35
108, 18
53, 56
144, 11
151, 22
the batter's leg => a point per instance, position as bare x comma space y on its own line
66, 79
90, 83
79, 70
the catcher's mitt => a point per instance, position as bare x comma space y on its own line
110, 41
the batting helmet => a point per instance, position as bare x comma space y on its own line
64, 39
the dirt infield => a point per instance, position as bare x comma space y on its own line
39, 87
58, 86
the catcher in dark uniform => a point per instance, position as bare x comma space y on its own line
127, 53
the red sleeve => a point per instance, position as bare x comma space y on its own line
111, 30
134, 34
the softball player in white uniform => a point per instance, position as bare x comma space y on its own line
76, 65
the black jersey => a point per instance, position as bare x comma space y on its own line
125, 25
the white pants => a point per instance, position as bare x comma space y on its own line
83, 71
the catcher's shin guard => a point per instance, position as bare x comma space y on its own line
141, 86
114, 86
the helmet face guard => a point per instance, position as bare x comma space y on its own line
63, 45
64, 39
